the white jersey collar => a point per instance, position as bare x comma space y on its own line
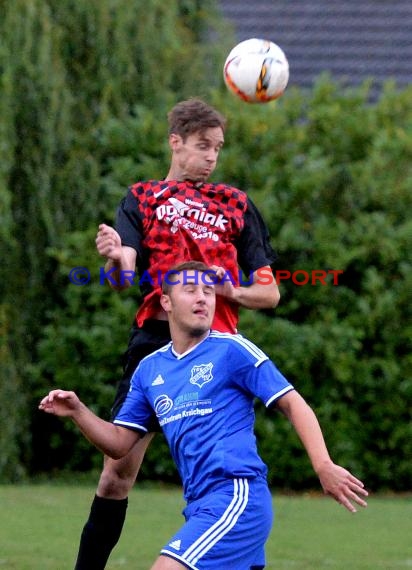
179, 356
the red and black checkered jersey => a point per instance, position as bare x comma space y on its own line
168, 222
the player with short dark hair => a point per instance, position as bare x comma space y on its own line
194, 116
201, 388
159, 224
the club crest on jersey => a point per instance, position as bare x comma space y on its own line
201, 374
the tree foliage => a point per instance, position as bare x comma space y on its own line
70, 70
85, 88
336, 194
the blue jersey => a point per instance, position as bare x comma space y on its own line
203, 400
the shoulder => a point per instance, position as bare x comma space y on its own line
239, 345
154, 357
226, 190
147, 187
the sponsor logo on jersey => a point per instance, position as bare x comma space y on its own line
158, 381
175, 208
185, 414
201, 374
193, 203
162, 405
157, 194
175, 544
187, 398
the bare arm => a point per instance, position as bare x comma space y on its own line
112, 440
120, 258
263, 293
335, 480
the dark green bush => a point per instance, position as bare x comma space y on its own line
84, 96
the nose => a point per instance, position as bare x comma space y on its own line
211, 156
200, 296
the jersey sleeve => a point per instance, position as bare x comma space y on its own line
253, 244
129, 224
268, 383
255, 373
136, 412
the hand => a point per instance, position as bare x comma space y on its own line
109, 243
226, 288
342, 486
60, 403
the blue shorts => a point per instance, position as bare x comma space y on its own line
227, 529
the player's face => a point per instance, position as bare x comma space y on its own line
191, 303
196, 158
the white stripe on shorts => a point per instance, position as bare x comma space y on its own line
227, 521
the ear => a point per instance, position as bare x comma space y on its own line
175, 141
165, 302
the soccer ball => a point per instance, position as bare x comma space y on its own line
256, 70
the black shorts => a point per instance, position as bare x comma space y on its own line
153, 335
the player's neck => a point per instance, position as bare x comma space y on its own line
179, 176
175, 174
183, 342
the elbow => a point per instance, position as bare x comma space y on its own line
275, 298
270, 294
272, 298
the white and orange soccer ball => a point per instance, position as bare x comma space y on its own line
256, 70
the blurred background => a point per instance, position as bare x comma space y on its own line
84, 92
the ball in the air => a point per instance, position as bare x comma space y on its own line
256, 70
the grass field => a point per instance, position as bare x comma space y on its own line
40, 527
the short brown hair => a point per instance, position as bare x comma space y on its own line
168, 279
194, 116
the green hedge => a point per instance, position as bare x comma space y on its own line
84, 95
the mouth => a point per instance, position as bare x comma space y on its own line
201, 313
206, 172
